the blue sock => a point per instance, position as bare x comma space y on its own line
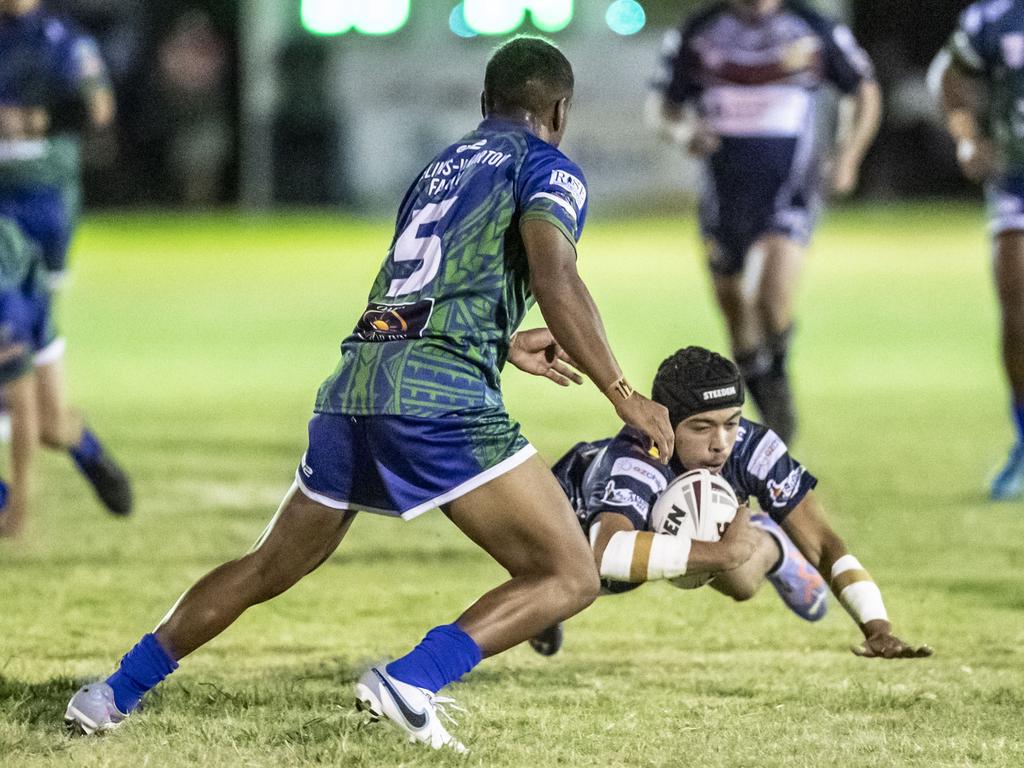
1018, 419
87, 450
442, 657
141, 669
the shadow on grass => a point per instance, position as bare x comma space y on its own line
38, 705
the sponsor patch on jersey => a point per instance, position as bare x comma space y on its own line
394, 322
783, 492
638, 470
766, 455
1012, 45
570, 184
624, 497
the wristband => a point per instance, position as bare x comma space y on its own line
620, 387
857, 592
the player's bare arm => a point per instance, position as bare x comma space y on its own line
860, 117
850, 582
623, 553
573, 318
962, 95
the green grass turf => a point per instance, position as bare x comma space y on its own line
196, 345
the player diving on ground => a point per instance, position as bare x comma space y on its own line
613, 485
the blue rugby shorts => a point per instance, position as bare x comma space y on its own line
403, 466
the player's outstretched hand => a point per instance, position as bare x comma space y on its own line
536, 351
651, 419
978, 159
885, 645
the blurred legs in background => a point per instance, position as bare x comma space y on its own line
757, 304
1008, 263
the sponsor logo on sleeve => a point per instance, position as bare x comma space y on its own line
783, 492
624, 497
638, 470
570, 184
766, 455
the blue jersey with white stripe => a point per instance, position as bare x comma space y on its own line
758, 78
617, 475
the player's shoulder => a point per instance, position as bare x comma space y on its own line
757, 450
540, 153
626, 454
815, 19
984, 13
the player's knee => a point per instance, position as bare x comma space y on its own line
50, 436
581, 587
742, 591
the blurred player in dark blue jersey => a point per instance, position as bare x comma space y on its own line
53, 84
981, 76
738, 88
614, 483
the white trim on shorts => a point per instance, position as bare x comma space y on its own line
501, 468
51, 353
1001, 224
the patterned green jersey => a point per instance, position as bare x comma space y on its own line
455, 284
989, 42
17, 255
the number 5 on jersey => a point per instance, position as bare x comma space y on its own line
420, 241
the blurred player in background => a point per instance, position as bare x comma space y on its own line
614, 483
981, 78
413, 416
52, 84
739, 89
20, 325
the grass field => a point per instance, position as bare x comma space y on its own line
196, 345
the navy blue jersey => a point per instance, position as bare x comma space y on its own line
617, 475
48, 68
757, 79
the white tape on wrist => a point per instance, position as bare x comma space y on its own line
637, 556
856, 590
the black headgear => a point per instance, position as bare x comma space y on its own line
694, 380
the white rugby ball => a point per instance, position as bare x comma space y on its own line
698, 505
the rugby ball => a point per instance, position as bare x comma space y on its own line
699, 505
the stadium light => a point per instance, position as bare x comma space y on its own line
625, 17
370, 17
382, 17
550, 15
457, 22
493, 17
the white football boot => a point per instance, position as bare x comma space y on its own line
416, 711
92, 710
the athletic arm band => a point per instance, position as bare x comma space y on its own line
638, 556
856, 590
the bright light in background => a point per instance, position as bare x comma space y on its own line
327, 17
493, 17
550, 15
382, 17
625, 17
457, 22
371, 17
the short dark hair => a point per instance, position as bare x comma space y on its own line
527, 73
694, 380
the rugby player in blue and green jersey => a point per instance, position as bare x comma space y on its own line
981, 75
413, 416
